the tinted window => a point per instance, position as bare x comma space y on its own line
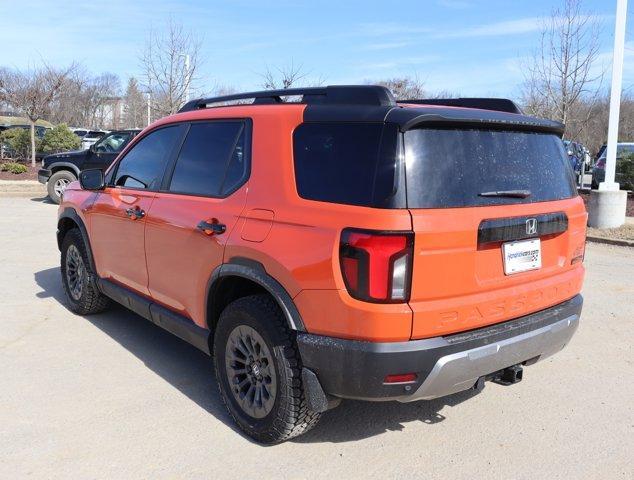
451, 167
143, 165
352, 163
211, 161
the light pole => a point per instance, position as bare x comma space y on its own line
149, 108
187, 79
607, 205
615, 97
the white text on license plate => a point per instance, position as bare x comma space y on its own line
522, 256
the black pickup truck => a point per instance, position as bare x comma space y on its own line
59, 169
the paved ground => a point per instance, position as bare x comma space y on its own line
112, 396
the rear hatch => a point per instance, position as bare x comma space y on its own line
499, 228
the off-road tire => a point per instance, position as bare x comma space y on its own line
60, 176
290, 415
90, 299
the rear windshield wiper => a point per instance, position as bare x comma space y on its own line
507, 193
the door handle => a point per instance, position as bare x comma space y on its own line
135, 213
211, 227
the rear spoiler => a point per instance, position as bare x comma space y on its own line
495, 104
416, 117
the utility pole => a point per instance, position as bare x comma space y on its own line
607, 205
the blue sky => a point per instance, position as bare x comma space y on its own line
468, 47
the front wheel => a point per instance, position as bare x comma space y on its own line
258, 369
57, 183
78, 278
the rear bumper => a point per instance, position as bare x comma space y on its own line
43, 174
444, 365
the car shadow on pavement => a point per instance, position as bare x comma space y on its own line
44, 199
191, 372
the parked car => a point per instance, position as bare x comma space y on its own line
80, 132
623, 173
91, 137
59, 169
329, 249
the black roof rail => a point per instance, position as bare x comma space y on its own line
371, 95
496, 104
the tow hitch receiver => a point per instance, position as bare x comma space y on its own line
509, 375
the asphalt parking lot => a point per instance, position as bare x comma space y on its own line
113, 396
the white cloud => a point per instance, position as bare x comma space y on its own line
509, 27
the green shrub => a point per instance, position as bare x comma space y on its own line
19, 142
13, 167
625, 172
59, 139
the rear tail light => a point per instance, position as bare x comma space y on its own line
601, 163
377, 265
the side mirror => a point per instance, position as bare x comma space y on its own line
92, 179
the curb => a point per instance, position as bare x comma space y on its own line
20, 188
611, 241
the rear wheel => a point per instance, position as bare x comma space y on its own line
259, 371
57, 183
78, 278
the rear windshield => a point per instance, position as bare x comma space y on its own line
454, 167
351, 163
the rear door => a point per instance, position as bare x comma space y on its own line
499, 229
192, 216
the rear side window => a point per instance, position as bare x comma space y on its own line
350, 163
143, 166
454, 167
212, 159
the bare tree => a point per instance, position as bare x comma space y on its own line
563, 71
281, 78
85, 100
32, 92
404, 88
409, 88
165, 69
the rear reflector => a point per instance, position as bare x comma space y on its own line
578, 255
376, 265
401, 378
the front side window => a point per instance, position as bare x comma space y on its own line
113, 143
143, 166
212, 159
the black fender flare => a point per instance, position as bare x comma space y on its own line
255, 271
71, 166
70, 213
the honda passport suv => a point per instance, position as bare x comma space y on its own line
340, 246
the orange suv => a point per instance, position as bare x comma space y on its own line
329, 243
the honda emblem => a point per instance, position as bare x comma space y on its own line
531, 226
